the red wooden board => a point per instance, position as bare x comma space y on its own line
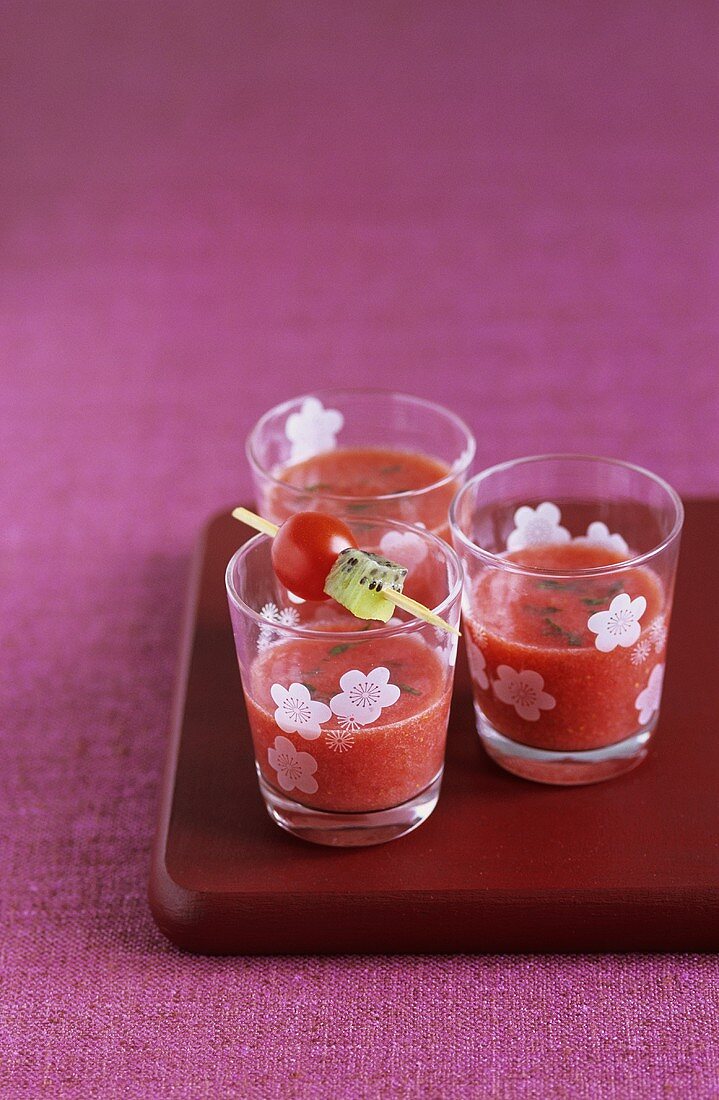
502, 865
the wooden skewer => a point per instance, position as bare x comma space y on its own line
262, 525
418, 610
265, 527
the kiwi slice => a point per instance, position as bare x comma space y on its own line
356, 581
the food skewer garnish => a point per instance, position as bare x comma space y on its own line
316, 556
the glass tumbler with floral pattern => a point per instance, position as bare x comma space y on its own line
348, 716
360, 452
569, 565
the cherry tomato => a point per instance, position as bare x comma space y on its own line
304, 550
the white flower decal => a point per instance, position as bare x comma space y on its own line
658, 633
647, 701
347, 722
464, 459
297, 713
294, 769
598, 535
313, 429
448, 645
477, 662
340, 740
286, 617
523, 691
641, 651
537, 527
363, 697
619, 625
403, 547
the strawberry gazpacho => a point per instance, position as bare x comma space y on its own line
561, 662
352, 727
362, 476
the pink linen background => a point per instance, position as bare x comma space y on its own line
204, 208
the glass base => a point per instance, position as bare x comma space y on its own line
347, 830
564, 768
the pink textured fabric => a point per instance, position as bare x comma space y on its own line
205, 207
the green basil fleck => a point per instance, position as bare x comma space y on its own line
554, 630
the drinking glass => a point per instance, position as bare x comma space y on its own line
348, 716
569, 565
360, 452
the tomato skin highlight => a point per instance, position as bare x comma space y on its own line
304, 550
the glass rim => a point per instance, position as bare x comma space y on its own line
497, 561
386, 631
467, 454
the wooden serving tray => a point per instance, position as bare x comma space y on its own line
502, 865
